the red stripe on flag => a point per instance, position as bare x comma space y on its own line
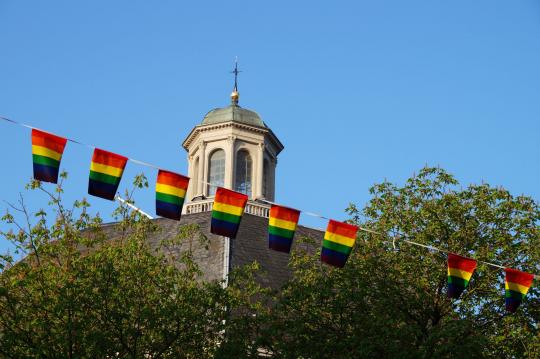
461, 263
515, 276
50, 141
284, 213
108, 158
343, 229
229, 197
172, 179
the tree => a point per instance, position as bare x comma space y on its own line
83, 292
86, 290
391, 302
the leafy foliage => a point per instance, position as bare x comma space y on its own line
391, 302
90, 290
85, 289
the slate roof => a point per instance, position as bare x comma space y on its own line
250, 244
210, 260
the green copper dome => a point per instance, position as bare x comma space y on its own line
233, 113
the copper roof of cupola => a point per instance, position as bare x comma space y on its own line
235, 116
233, 113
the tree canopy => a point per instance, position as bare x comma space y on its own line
390, 299
80, 293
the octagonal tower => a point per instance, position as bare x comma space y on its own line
233, 148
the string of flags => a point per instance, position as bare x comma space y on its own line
282, 224
170, 193
338, 243
516, 286
107, 168
47, 151
460, 271
227, 212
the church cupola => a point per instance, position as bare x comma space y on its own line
233, 148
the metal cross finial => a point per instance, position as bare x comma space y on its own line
236, 72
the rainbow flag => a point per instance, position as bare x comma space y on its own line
106, 171
517, 285
170, 192
460, 271
281, 227
227, 212
47, 150
338, 242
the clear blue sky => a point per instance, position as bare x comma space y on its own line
358, 91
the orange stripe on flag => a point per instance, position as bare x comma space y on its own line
229, 197
522, 278
342, 229
50, 141
462, 263
284, 213
172, 179
109, 158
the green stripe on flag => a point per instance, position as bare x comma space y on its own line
225, 216
45, 161
102, 177
336, 247
282, 232
458, 281
514, 294
169, 198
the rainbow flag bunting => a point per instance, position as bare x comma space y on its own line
227, 212
338, 242
47, 150
517, 285
460, 271
106, 171
170, 193
281, 228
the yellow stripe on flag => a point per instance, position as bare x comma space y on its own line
227, 208
454, 272
44, 151
276, 222
108, 170
517, 287
175, 191
332, 237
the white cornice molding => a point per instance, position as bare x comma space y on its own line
206, 128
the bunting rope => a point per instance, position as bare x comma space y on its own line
400, 237
312, 214
142, 163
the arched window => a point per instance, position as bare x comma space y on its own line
242, 175
216, 171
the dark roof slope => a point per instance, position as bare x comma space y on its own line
251, 244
